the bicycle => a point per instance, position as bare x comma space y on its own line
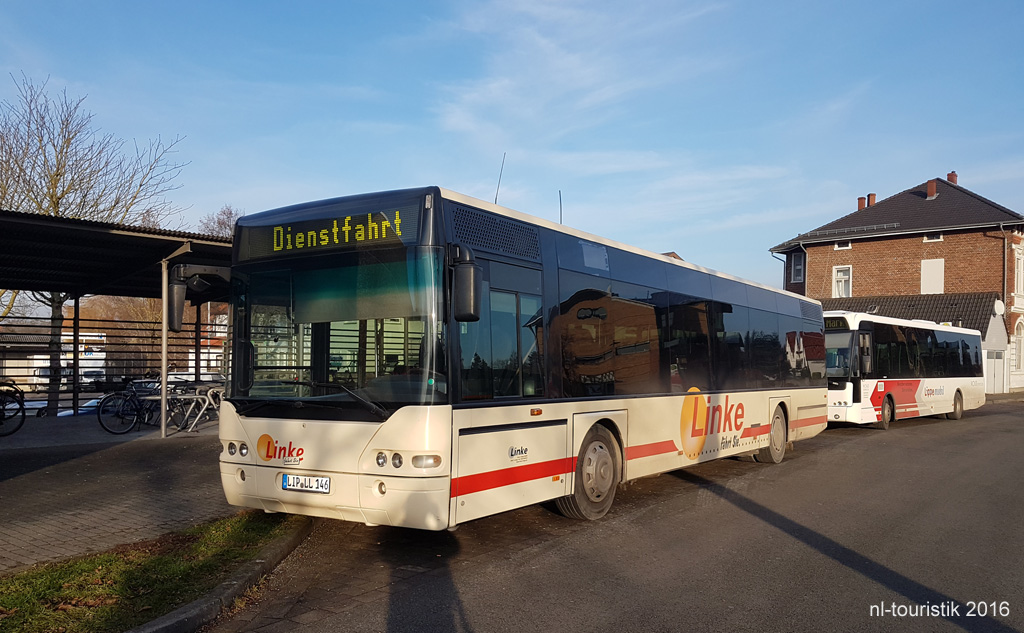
122, 411
12, 407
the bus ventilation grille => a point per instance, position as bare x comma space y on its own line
489, 232
810, 311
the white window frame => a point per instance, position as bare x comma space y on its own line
796, 256
1018, 274
849, 282
933, 239
843, 246
1018, 362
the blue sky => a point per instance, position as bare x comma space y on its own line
713, 129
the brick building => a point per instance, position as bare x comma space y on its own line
937, 238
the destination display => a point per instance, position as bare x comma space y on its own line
836, 323
371, 229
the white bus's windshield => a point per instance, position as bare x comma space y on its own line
355, 330
839, 354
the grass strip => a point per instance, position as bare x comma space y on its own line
133, 584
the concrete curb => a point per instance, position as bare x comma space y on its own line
192, 616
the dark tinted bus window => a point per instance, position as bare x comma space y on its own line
762, 299
633, 316
582, 255
687, 341
766, 350
586, 335
475, 341
688, 282
531, 335
795, 362
727, 291
504, 343
637, 269
730, 351
814, 351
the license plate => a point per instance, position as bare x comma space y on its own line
302, 483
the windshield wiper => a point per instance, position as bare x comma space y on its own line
368, 404
250, 406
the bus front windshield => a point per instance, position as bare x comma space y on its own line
839, 354
355, 331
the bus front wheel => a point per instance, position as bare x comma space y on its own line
776, 449
597, 476
958, 408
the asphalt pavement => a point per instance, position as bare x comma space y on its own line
69, 488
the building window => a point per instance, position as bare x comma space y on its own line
1018, 362
796, 267
842, 281
844, 246
1018, 275
933, 237
933, 276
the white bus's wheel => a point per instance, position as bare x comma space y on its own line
887, 414
958, 408
776, 449
597, 476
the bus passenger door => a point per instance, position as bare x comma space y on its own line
513, 461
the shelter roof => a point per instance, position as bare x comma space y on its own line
80, 257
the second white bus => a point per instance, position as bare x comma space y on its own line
882, 369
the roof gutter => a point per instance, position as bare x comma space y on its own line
865, 236
1002, 291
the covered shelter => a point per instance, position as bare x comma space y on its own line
85, 257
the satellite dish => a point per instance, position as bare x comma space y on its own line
999, 308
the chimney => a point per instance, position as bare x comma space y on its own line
871, 199
951, 177
932, 189
860, 203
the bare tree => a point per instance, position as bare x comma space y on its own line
55, 161
221, 223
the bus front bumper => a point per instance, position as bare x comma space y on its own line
414, 502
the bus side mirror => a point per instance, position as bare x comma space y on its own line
467, 286
183, 277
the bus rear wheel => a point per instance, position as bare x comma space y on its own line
887, 414
958, 408
597, 476
776, 449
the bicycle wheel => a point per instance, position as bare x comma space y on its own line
117, 413
177, 414
12, 413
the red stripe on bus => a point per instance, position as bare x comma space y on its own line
469, 484
802, 422
647, 450
754, 431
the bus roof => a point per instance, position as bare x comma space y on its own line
455, 196
854, 319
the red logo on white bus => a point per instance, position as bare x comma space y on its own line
268, 448
699, 419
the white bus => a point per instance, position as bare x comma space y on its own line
420, 358
882, 369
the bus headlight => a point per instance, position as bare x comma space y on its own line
426, 461
382, 460
396, 460
231, 448
243, 449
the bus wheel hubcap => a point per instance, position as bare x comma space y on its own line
598, 471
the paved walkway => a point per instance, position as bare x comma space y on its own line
69, 488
